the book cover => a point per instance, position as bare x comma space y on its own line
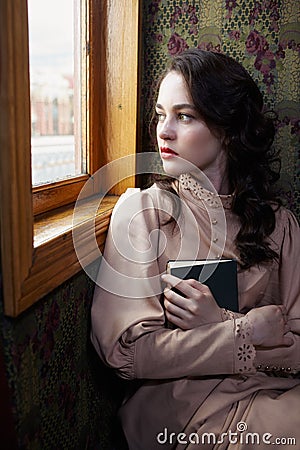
219, 275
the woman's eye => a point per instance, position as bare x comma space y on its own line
184, 117
160, 117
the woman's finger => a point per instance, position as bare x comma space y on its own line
189, 288
174, 309
175, 297
176, 321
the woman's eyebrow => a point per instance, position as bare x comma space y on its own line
178, 106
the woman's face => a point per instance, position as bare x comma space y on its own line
182, 136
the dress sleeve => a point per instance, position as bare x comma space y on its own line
128, 321
286, 282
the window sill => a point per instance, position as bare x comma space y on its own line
54, 257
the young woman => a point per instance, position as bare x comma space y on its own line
217, 379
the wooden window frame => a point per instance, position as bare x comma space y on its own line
37, 252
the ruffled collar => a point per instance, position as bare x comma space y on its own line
211, 199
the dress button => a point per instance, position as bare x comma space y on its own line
215, 239
214, 221
258, 367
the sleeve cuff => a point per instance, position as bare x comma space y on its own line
244, 349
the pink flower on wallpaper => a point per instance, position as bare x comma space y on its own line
176, 44
235, 35
230, 5
269, 81
275, 17
193, 30
209, 47
280, 53
158, 38
189, 8
254, 14
190, 12
256, 43
292, 45
265, 62
175, 16
193, 19
289, 44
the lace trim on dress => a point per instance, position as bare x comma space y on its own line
245, 351
227, 314
212, 199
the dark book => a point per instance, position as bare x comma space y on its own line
219, 275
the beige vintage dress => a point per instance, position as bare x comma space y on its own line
206, 387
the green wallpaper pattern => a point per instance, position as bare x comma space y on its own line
63, 398
263, 35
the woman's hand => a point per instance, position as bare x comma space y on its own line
192, 306
270, 325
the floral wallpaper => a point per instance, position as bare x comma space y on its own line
262, 35
62, 397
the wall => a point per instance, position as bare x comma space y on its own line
62, 397
263, 35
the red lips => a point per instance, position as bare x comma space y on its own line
167, 151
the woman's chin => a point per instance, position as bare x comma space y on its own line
177, 166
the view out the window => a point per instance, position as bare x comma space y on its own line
55, 90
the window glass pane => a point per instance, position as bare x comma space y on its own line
56, 90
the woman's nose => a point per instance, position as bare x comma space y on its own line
166, 130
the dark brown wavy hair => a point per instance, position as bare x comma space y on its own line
231, 105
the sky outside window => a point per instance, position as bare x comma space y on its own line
54, 56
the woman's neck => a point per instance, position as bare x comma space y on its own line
214, 179
217, 174
220, 182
